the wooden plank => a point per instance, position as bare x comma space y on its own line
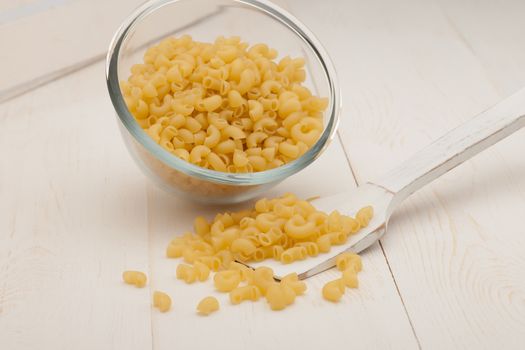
50, 41
493, 32
409, 76
72, 218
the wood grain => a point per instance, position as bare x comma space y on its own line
409, 74
72, 218
75, 211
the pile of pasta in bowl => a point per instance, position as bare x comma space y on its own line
224, 106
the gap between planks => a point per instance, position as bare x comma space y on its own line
357, 183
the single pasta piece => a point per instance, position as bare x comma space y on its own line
207, 305
136, 278
201, 226
334, 290
348, 260
350, 278
243, 246
161, 301
186, 273
263, 278
364, 215
337, 238
297, 227
312, 249
349, 225
226, 258
226, 281
202, 271
175, 250
292, 254
292, 280
279, 296
243, 293
324, 243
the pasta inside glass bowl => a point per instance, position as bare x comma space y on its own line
205, 20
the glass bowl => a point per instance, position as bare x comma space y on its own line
255, 22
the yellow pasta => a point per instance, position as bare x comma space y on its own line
292, 280
298, 227
186, 273
349, 278
349, 260
272, 236
244, 246
293, 254
225, 257
286, 229
311, 248
279, 296
212, 262
201, 226
207, 306
136, 278
197, 94
201, 270
334, 290
263, 278
161, 301
246, 273
364, 215
243, 293
175, 250
226, 281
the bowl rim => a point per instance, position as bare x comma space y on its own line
238, 179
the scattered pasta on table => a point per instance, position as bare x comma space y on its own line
285, 229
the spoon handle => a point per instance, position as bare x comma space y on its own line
455, 147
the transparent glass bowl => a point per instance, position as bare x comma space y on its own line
255, 22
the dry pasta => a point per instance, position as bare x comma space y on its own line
348, 260
243, 293
161, 301
334, 290
226, 281
349, 278
207, 305
136, 278
285, 228
192, 98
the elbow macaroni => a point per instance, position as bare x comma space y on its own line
187, 95
161, 301
207, 305
137, 278
284, 228
334, 290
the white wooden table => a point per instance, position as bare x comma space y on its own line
75, 211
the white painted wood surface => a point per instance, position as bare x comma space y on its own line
411, 70
449, 274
